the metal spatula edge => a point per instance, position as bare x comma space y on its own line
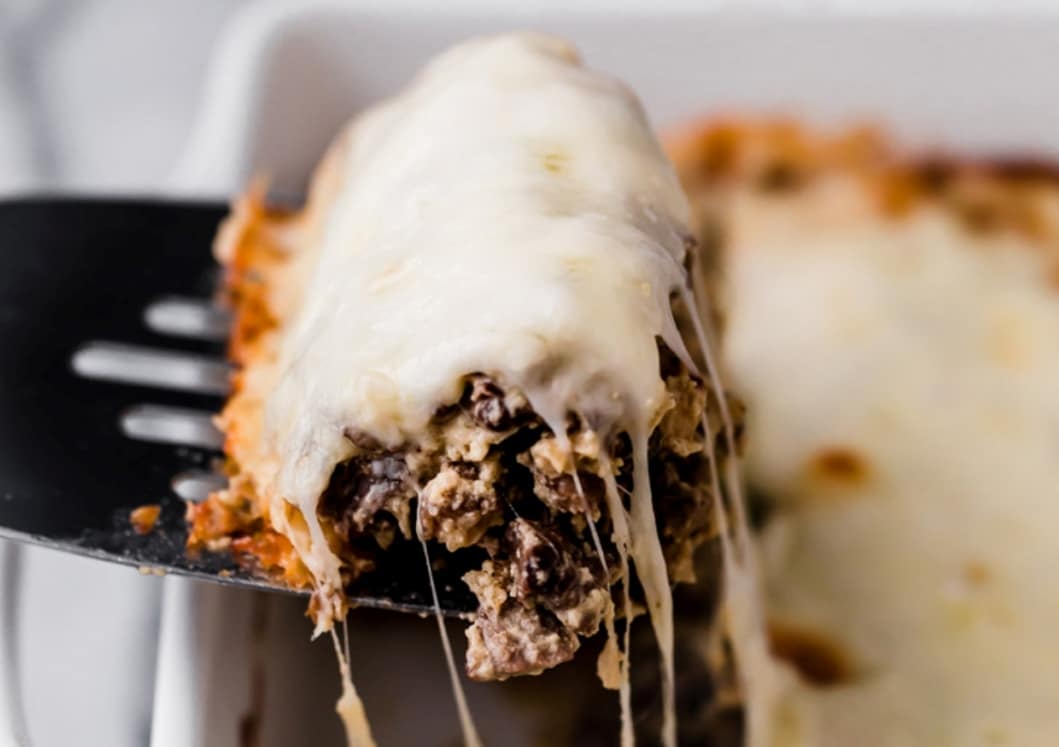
113, 363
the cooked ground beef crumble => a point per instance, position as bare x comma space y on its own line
487, 481
491, 476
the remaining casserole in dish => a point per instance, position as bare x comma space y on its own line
892, 324
473, 335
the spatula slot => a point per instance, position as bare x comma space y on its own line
188, 317
196, 485
171, 425
112, 361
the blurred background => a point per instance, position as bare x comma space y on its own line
94, 96
100, 96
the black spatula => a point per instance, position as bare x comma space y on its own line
111, 365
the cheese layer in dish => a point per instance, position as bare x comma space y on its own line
893, 325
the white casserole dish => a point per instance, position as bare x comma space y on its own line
287, 77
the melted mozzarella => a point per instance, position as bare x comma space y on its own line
467, 727
509, 213
742, 621
902, 379
350, 708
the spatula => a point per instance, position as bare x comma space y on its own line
111, 368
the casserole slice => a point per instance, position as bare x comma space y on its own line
473, 335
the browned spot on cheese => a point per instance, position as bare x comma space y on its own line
1053, 277
143, 518
779, 176
839, 465
897, 193
978, 215
976, 573
718, 151
554, 161
817, 658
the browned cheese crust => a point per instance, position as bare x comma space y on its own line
730, 167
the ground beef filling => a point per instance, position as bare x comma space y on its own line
490, 476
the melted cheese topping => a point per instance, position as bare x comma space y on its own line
902, 379
509, 213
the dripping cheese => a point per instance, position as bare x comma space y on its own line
468, 337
